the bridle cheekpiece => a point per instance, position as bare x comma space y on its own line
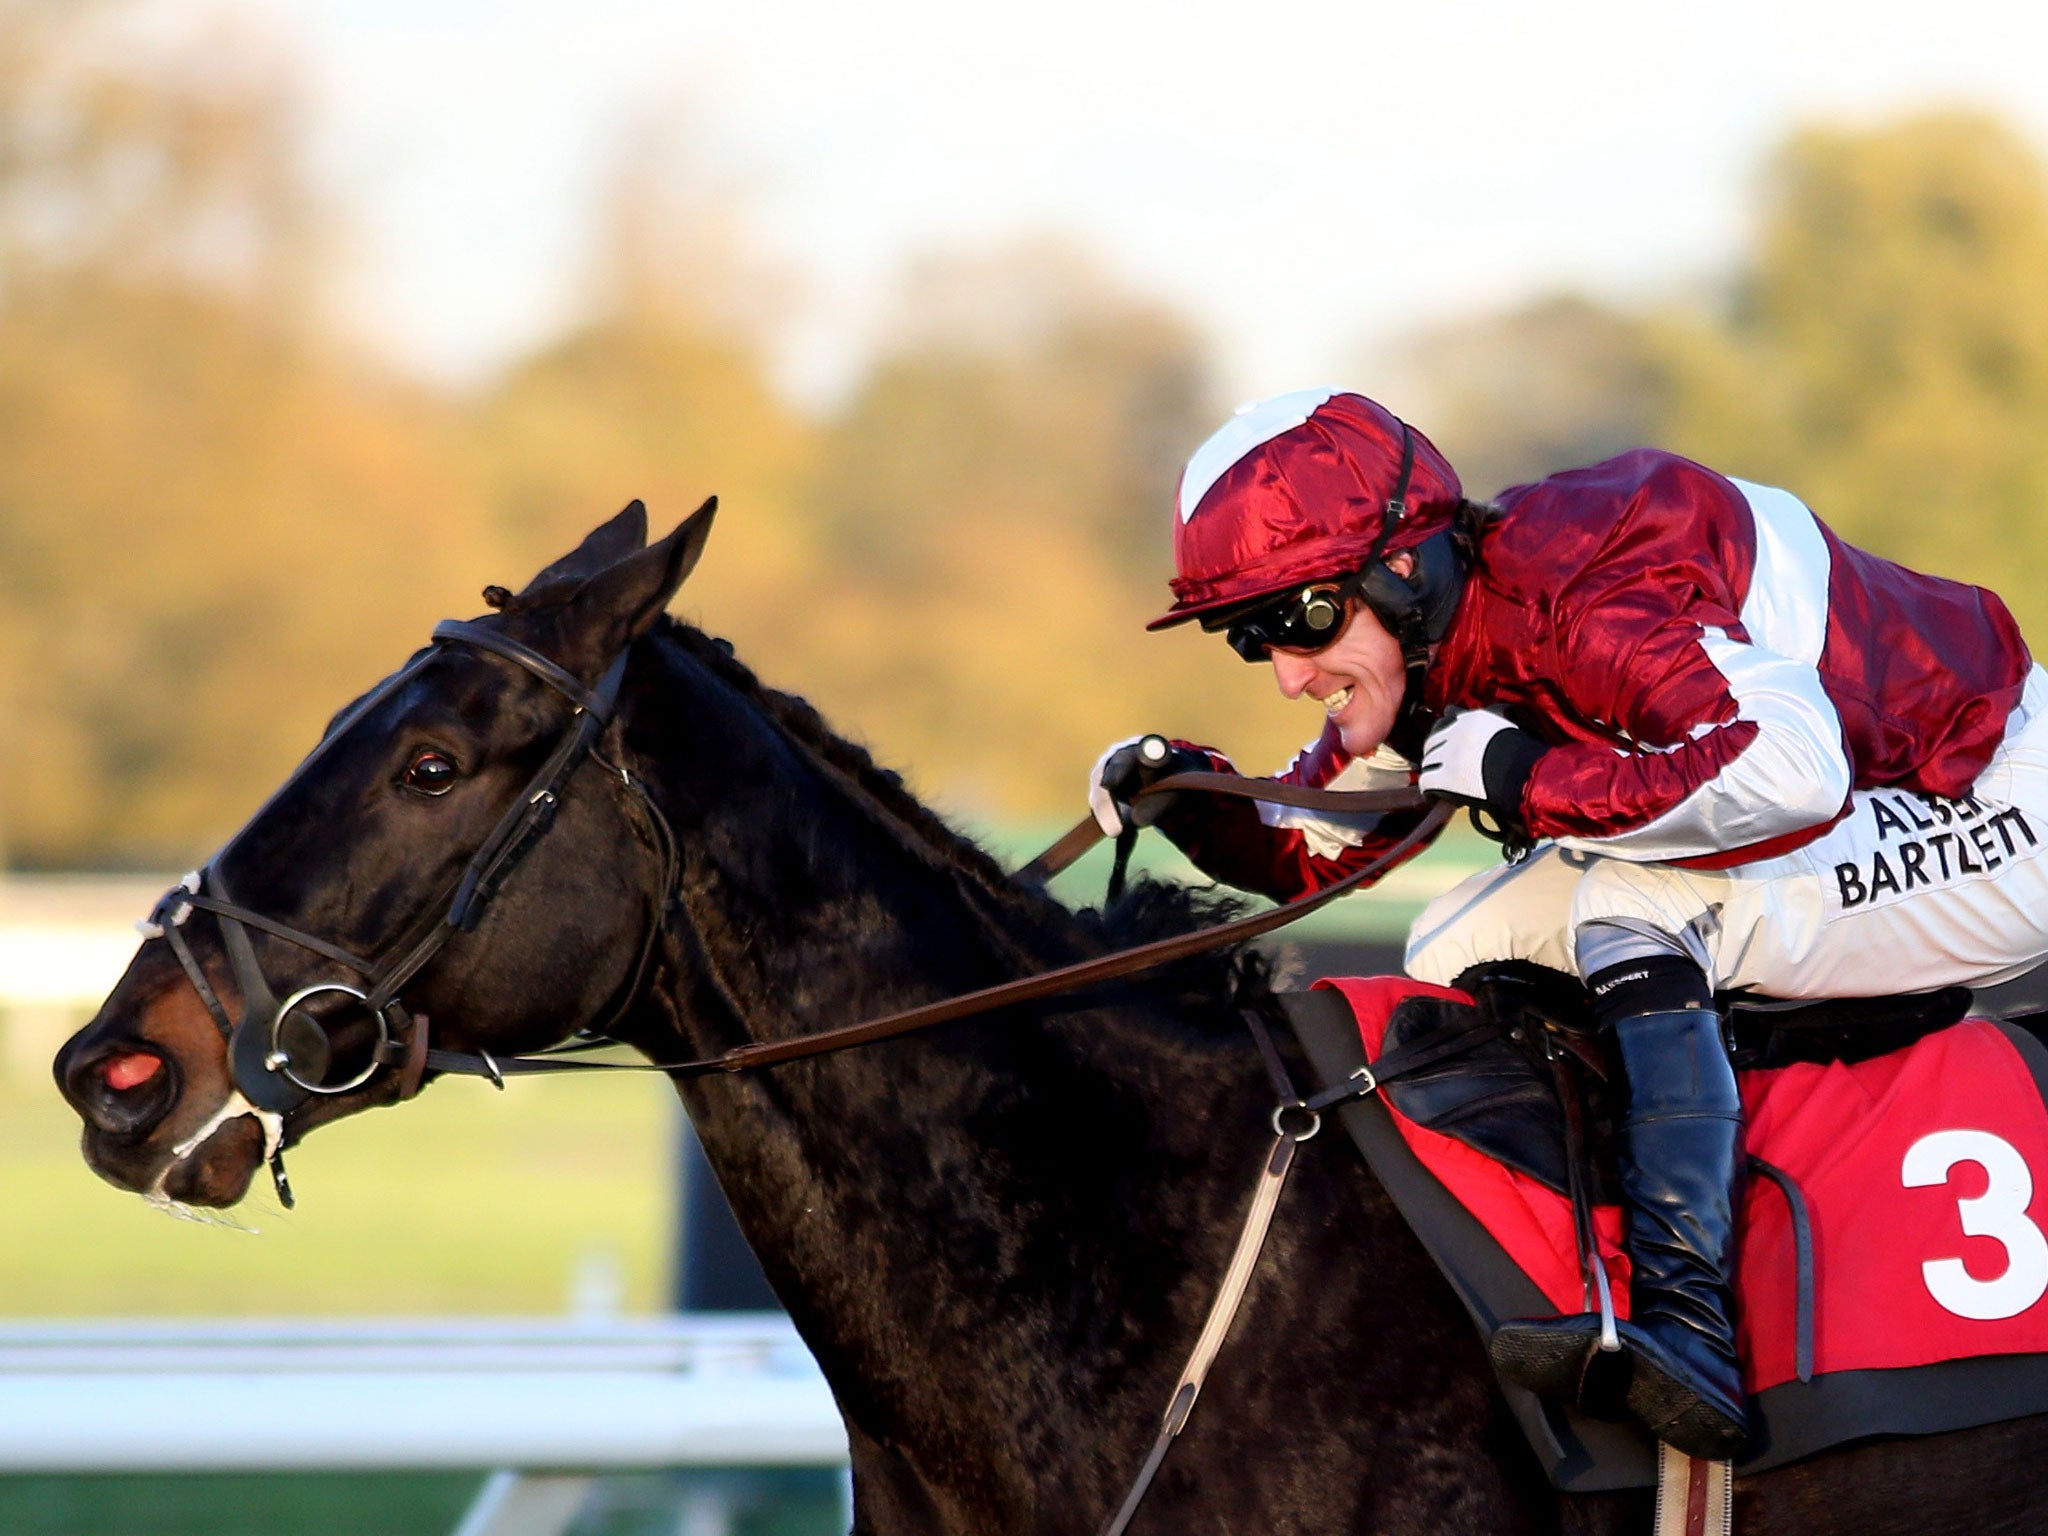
280, 1055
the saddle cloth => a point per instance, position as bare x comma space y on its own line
1918, 1301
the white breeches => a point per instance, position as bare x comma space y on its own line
1905, 894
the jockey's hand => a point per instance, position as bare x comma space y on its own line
1127, 767
1476, 757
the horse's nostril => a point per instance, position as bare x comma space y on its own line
130, 1069
123, 1091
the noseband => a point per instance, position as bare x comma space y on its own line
280, 1055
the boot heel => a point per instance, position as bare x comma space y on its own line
1561, 1358
1676, 1411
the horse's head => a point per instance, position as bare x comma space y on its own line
374, 896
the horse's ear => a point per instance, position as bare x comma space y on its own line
607, 544
619, 604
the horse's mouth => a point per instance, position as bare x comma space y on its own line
217, 1171
214, 1169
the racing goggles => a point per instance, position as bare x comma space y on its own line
1300, 619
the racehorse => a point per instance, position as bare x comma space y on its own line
999, 1238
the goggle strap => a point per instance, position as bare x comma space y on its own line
1397, 504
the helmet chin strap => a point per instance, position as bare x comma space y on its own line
1417, 610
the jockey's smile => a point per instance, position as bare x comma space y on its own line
1358, 678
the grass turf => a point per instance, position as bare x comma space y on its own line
755, 1501
323, 1504
464, 1201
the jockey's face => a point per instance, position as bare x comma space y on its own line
1358, 678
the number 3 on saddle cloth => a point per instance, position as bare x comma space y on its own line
1917, 1303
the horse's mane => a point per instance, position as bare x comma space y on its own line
1150, 909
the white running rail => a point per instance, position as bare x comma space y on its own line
732, 1389
552, 1403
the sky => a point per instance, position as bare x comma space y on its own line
1307, 181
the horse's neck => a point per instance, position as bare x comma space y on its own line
989, 1229
816, 889
977, 1191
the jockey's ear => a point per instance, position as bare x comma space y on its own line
619, 603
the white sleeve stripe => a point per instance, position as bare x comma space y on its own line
1794, 773
1786, 607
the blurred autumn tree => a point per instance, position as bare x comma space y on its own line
1019, 385
216, 523
1564, 380
661, 391
1884, 351
994, 498
1881, 350
960, 559
212, 528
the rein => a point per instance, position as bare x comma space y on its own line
1085, 833
1066, 978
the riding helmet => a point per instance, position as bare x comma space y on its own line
1294, 489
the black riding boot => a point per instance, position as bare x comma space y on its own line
1681, 1159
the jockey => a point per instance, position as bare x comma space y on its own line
1748, 756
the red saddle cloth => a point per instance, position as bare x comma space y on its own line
1920, 1176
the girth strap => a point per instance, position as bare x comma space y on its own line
1802, 1257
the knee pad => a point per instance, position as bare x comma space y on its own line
1511, 912
1624, 912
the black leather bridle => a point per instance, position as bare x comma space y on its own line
280, 1055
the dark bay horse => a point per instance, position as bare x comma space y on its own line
999, 1238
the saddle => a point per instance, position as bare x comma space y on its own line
1882, 1287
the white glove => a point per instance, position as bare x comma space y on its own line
1454, 758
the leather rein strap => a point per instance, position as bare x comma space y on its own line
1066, 978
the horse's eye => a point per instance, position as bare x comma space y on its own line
429, 773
